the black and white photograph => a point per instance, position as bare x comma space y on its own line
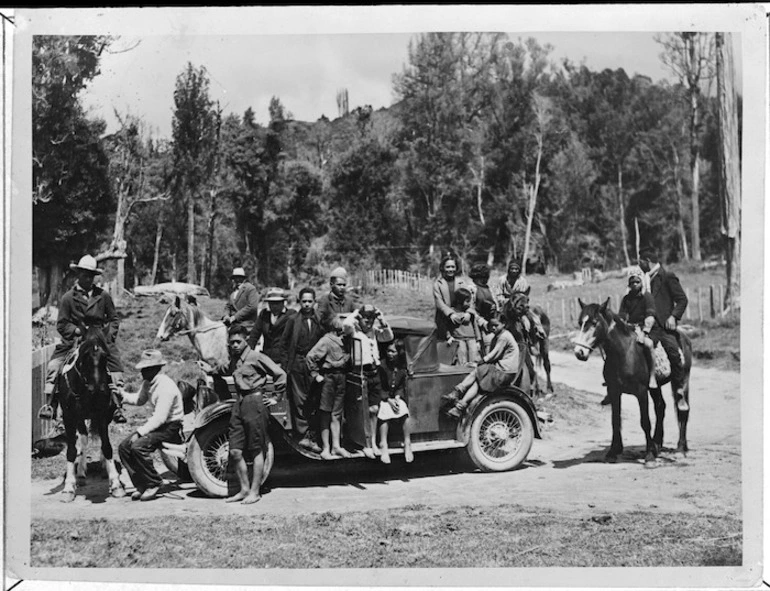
385, 296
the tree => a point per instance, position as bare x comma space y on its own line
542, 110
690, 57
130, 166
70, 189
194, 141
730, 165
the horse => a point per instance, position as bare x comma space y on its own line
538, 346
208, 337
627, 369
85, 397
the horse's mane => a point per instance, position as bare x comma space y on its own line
198, 316
94, 336
620, 325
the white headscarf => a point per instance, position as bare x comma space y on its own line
637, 272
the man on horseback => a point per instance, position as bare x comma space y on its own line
243, 304
670, 304
83, 306
637, 308
511, 284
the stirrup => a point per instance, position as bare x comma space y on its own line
45, 412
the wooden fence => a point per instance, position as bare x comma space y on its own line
394, 278
40, 359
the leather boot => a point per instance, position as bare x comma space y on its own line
116, 384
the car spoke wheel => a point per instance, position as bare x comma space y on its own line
207, 459
501, 436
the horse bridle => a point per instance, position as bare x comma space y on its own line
589, 348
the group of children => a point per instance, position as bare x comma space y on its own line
366, 334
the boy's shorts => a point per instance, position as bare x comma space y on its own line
333, 392
374, 388
248, 426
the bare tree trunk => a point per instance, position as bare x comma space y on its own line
622, 204
533, 190
695, 173
120, 282
156, 254
174, 268
638, 238
190, 239
679, 197
210, 230
730, 166
49, 283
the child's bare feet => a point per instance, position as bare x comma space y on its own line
369, 453
408, 455
326, 455
385, 455
251, 498
342, 452
239, 496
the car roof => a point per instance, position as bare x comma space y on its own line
408, 325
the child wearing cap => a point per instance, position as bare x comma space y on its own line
163, 426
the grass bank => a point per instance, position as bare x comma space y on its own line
415, 536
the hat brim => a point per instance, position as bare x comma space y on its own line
143, 364
75, 267
275, 299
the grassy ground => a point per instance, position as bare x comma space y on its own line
416, 536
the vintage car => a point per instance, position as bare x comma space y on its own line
497, 429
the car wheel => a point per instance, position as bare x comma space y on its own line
207, 459
501, 436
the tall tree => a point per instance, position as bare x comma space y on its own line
690, 56
194, 141
70, 189
730, 165
130, 154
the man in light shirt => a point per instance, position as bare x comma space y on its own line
164, 425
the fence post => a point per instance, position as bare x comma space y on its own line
712, 303
700, 304
687, 311
721, 298
563, 317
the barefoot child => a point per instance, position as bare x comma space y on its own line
367, 327
329, 353
393, 409
499, 367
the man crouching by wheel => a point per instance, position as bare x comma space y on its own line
247, 434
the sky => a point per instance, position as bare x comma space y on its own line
306, 71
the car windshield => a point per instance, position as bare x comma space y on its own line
419, 338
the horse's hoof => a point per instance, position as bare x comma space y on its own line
68, 497
611, 459
118, 492
650, 462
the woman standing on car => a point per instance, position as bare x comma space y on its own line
444, 289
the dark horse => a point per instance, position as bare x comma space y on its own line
538, 346
627, 369
86, 402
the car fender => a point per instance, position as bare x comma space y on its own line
212, 412
510, 393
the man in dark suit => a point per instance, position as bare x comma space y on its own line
670, 304
243, 304
303, 330
270, 325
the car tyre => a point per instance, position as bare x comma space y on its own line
207, 459
501, 435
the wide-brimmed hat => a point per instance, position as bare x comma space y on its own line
150, 358
238, 272
275, 294
86, 263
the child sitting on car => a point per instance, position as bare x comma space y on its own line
498, 368
393, 408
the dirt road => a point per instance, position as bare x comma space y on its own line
565, 471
